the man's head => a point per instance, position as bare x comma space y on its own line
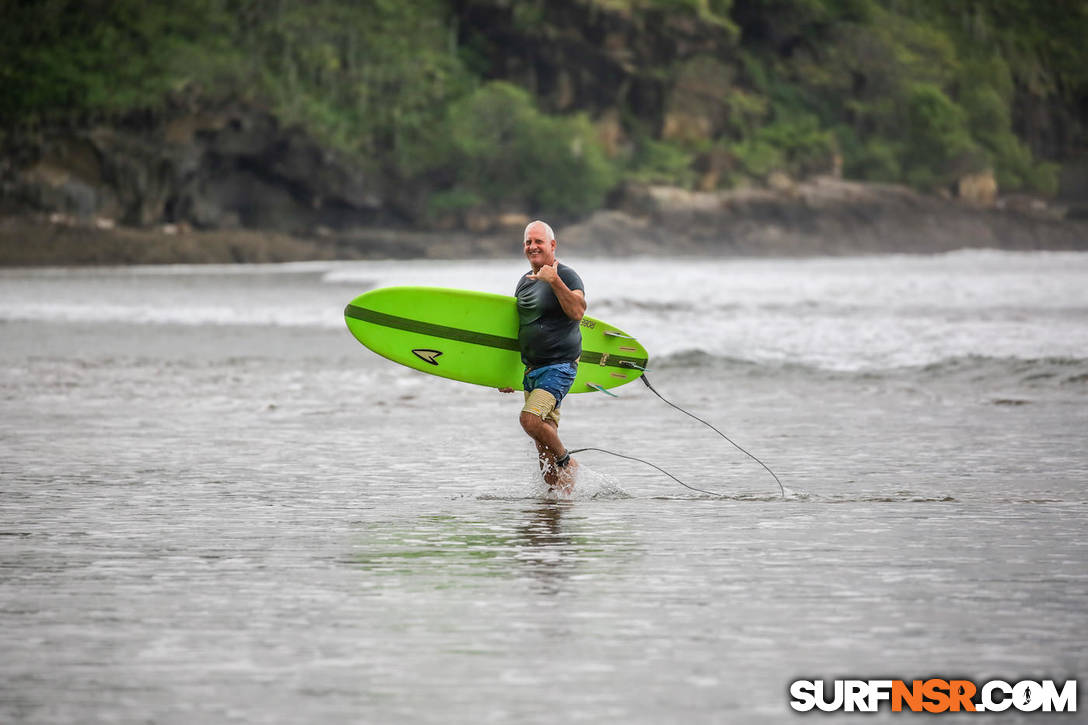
539, 244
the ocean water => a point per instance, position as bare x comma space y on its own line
215, 506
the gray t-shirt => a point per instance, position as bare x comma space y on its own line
546, 335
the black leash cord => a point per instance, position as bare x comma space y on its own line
632, 458
723, 435
646, 380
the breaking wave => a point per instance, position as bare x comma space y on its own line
1071, 371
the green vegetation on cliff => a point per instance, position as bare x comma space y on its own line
547, 105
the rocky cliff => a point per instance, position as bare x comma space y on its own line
823, 215
444, 124
226, 167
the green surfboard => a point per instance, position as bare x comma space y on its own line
473, 337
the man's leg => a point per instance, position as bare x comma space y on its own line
545, 433
546, 436
540, 420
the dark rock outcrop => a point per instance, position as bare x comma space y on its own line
821, 216
216, 169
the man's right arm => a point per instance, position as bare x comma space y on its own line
573, 301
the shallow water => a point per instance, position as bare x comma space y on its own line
216, 506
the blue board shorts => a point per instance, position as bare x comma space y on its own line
545, 387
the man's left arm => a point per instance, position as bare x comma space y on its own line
573, 302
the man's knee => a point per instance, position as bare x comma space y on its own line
531, 423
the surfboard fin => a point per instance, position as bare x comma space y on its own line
613, 333
599, 389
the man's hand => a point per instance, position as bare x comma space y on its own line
573, 302
546, 273
506, 390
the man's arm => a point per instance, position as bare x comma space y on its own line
573, 302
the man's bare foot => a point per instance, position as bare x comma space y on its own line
565, 477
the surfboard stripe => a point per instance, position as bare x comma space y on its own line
477, 338
428, 328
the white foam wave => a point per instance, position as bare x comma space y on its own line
845, 314
189, 315
494, 276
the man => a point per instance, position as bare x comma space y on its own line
551, 303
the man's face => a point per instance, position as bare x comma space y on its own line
538, 251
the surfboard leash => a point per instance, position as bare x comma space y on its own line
646, 381
632, 458
767, 468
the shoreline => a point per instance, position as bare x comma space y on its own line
816, 218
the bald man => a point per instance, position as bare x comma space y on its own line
551, 303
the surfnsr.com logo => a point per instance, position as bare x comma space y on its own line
933, 695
